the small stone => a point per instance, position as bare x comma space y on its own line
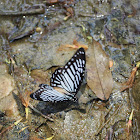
8, 106
3, 69
7, 102
38, 29
6, 85
40, 76
83, 100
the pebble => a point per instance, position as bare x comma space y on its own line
8, 103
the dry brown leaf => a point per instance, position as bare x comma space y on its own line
66, 46
34, 138
75, 45
40, 75
99, 77
130, 81
110, 63
25, 98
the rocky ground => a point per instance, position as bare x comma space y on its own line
37, 37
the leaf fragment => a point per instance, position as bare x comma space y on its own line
99, 77
50, 138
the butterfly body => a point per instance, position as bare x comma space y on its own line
65, 82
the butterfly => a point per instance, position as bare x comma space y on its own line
65, 82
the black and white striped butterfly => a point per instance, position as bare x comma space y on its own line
65, 82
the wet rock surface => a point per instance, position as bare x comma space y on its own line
8, 104
6, 85
135, 99
36, 54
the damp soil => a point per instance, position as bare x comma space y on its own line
36, 38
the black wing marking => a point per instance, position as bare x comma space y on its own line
47, 93
71, 75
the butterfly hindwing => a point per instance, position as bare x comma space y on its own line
71, 75
47, 93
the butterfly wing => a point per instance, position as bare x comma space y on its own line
69, 78
48, 93
71, 75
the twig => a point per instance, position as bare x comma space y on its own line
38, 10
10, 127
108, 119
131, 79
28, 33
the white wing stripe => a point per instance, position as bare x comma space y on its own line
77, 81
60, 86
56, 82
79, 77
84, 62
75, 84
80, 62
66, 81
72, 68
51, 93
59, 77
70, 82
77, 63
63, 85
75, 66
70, 74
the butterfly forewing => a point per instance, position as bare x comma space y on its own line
71, 75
